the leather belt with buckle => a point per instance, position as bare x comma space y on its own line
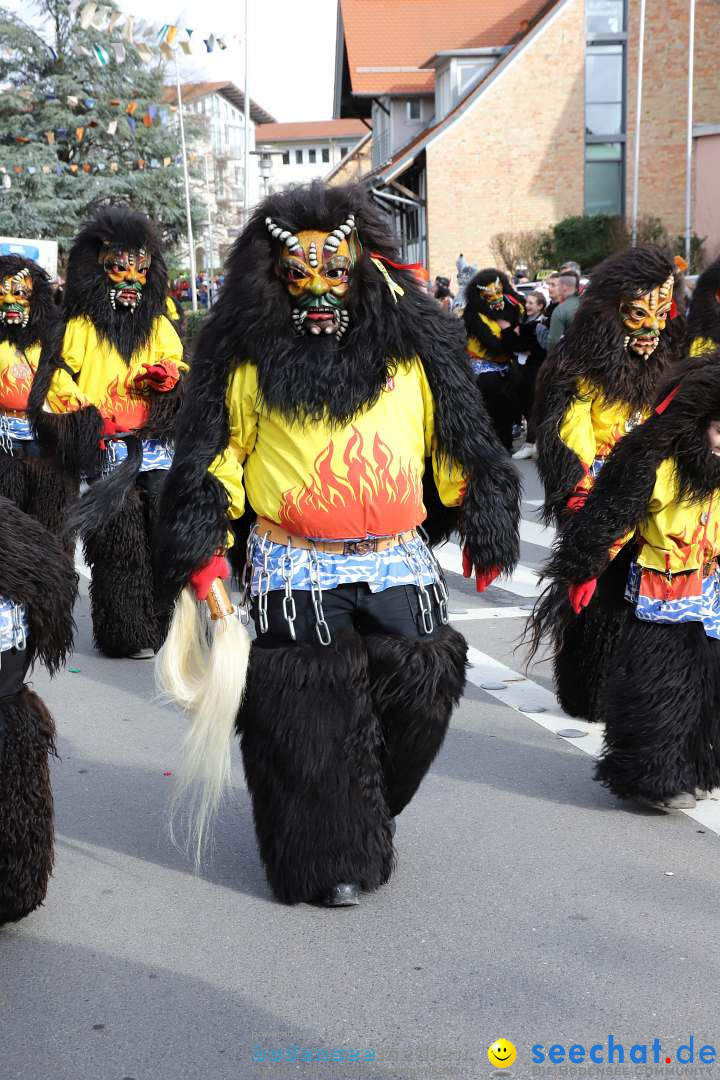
278, 535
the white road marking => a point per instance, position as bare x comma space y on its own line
533, 532
526, 696
489, 613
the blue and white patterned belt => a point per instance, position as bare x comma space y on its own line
156, 454
13, 429
14, 625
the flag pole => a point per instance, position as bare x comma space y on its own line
638, 115
246, 167
689, 144
186, 177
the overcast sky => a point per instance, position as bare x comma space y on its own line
292, 48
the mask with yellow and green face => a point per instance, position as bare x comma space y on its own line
492, 294
644, 317
15, 299
315, 268
127, 271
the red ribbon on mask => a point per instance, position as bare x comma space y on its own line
660, 409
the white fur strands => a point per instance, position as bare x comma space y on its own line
202, 668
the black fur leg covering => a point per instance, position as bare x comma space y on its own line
26, 805
14, 480
121, 586
311, 746
415, 685
588, 644
50, 491
662, 712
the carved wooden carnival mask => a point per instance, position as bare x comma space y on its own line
15, 298
644, 317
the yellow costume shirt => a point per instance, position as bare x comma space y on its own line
103, 378
351, 482
702, 345
17, 371
478, 351
591, 426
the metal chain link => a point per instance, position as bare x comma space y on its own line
321, 627
245, 582
416, 569
288, 604
6, 442
18, 629
264, 583
440, 590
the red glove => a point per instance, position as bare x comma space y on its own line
581, 595
576, 502
483, 578
110, 427
160, 377
202, 579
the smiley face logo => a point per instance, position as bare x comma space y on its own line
501, 1054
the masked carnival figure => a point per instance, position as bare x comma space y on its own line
492, 311
325, 386
28, 330
37, 591
596, 386
658, 499
703, 324
116, 390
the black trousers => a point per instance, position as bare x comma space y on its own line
347, 608
502, 403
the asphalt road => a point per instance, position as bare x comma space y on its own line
527, 904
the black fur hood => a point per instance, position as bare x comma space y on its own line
704, 317
86, 286
43, 312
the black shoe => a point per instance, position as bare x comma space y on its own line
341, 896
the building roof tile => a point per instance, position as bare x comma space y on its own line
311, 129
387, 41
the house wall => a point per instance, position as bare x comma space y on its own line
707, 185
514, 161
294, 173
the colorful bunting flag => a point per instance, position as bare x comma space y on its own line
101, 55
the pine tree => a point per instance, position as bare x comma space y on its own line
75, 132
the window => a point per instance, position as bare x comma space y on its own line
605, 16
298, 157
312, 156
286, 157
605, 92
414, 109
326, 155
344, 151
604, 89
604, 178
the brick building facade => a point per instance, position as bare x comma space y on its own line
527, 115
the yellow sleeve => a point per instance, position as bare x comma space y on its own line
171, 311
576, 429
450, 477
64, 395
702, 345
241, 400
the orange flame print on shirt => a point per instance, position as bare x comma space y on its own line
375, 497
124, 406
15, 384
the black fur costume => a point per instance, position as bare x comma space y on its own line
116, 518
661, 699
32, 479
703, 323
34, 572
336, 739
593, 350
500, 392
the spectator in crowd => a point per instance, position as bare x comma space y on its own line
529, 359
521, 275
571, 268
441, 292
564, 313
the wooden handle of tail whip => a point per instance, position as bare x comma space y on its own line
219, 602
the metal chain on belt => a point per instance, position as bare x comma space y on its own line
440, 591
245, 582
6, 442
416, 568
321, 627
264, 582
19, 636
288, 605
